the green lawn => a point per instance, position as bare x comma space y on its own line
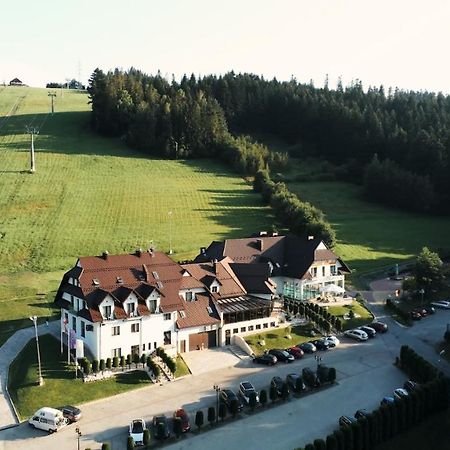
370, 236
359, 310
182, 368
60, 387
91, 194
277, 338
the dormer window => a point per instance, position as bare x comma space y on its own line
131, 307
119, 280
107, 312
189, 296
153, 305
182, 314
95, 282
214, 289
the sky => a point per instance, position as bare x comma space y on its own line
395, 43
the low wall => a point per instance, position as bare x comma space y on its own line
240, 342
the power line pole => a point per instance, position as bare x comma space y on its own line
33, 131
52, 95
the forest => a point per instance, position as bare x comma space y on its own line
395, 143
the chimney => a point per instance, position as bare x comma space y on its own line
260, 244
105, 255
310, 238
263, 233
150, 251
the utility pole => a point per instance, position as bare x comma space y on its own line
33, 131
40, 379
217, 389
52, 95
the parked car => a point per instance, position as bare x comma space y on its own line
361, 413
321, 344
136, 431
296, 352
182, 415
307, 347
387, 400
445, 304
294, 384
72, 413
48, 419
346, 421
359, 335
161, 427
429, 309
411, 386
266, 358
245, 390
368, 330
379, 327
400, 393
415, 315
277, 382
227, 396
310, 377
282, 355
334, 341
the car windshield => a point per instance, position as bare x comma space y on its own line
137, 427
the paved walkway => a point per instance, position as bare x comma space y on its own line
8, 352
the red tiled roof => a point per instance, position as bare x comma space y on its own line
197, 312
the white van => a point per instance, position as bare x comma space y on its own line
48, 419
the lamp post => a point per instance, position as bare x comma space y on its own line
77, 430
40, 379
422, 291
217, 389
318, 360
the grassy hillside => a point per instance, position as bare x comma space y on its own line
372, 236
91, 194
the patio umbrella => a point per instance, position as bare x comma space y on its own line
332, 288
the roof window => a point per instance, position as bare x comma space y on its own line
182, 314
120, 280
155, 275
95, 282
209, 309
159, 284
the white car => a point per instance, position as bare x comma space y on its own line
333, 339
441, 304
400, 393
359, 335
245, 390
136, 431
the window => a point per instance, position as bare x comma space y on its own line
116, 352
131, 308
107, 312
250, 328
95, 282
74, 324
188, 296
135, 328
265, 325
167, 316
119, 280
235, 330
159, 284
135, 349
272, 324
243, 330
167, 338
72, 302
182, 314
115, 331
209, 309
156, 345
314, 272
258, 327
153, 305
323, 271
155, 275
333, 270
83, 329
214, 289
143, 347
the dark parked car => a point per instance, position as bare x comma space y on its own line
361, 413
307, 347
161, 427
182, 415
371, 332
267, 359
346, 421
321, 344
71, 412
379, 327
415, 315
387, 400
296, 352
310, 377
277, 382
294, 382
411, 386
227, 396
282, 355
429, 309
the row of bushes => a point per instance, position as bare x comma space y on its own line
302, 218
168, 361
415, 366
396, 309
388, 420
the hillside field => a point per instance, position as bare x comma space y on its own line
91, 194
